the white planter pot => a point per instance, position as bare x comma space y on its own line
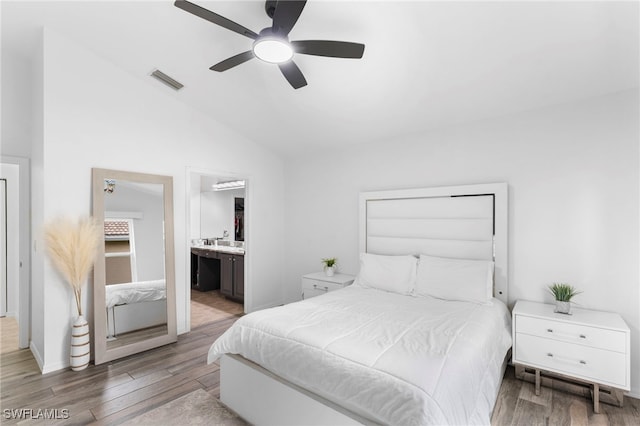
330, 270
80, 346
563, 307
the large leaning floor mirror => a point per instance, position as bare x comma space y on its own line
134, 274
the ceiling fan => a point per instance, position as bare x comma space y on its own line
272, 43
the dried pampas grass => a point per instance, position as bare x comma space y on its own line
72, 247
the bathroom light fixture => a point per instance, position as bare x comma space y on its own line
274, 50
223, 186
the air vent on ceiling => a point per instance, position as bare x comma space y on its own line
159, 75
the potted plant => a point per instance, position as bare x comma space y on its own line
329, 265
563, 293
72, 247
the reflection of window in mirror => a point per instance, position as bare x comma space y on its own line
120, 252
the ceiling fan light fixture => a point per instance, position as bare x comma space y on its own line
273, 50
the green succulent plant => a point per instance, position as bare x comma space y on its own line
563, 292
329, 261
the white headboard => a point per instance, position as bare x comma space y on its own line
464, 222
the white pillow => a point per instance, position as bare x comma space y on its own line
389, 273
455, 279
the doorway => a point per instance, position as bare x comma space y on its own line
217, 247
14, 329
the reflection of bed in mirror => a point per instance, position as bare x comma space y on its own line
135, 306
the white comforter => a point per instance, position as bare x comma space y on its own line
135, 292
393, 359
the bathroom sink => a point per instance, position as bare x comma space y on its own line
236, 250
223, 243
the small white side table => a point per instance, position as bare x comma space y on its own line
591, 347
318, 283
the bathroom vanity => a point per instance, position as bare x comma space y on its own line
220, 267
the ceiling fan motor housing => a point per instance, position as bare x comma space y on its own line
270, 7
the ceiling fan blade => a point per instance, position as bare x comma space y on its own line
334, 49
233, 61
215, 18
293, 74
286, 15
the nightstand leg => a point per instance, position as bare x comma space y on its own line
537, 382
596, 398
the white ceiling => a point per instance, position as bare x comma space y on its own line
426, 64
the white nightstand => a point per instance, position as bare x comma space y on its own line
590, 346
319, 283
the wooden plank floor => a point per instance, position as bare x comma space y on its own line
117, 391
209, 306
120, 390
517, 404
9, 334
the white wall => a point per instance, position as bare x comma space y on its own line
16, 132
38, 305
218, 212
92, 113
194, 203
573, 174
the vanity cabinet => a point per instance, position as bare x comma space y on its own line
205, 269
232, 275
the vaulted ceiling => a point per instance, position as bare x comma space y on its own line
426, 64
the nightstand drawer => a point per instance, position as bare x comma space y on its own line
573, 333
588, 363
321, 286
318, 283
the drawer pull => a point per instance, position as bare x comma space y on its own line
565, 335
566, 360
316, 287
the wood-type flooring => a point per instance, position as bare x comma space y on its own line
9, 331
123, 389
210, 306
114, 392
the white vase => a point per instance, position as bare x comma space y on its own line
80, 346
563, 307
330, 270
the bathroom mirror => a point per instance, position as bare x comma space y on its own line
134, 274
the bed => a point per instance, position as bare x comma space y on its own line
403, 344
134, 306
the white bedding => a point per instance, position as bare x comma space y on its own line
135, 292
391, 358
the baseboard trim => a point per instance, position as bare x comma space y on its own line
49, 368
46, 368
36, 355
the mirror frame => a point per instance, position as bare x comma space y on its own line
102, 354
